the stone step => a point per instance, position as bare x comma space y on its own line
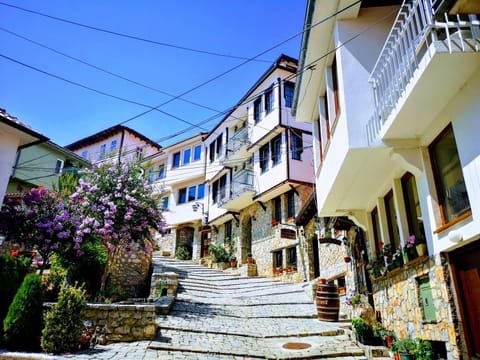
264, 348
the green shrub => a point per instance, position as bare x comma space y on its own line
23, 324
182, 253
218, 253
64, 322
85, 269
12, 272
361, 327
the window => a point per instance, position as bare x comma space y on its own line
447, 171
58, 166
296, 146
257, 109
164, 203
392, 222
277, 259
276, 149
211, 152
324, 123
336, 101
197, 152
176, 160
192, 190
113, 145
219, 189
412, 207
201, 191
103, 150
264, 152
219, 142
376, 230
290, 204
228, 232
186, 156
292, 256
182, 196
288, 90
85, 154
268, 100
277, 209
151, 175
138, 153
161, 171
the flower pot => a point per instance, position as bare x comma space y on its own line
347, 259
233, 264
421, 249
405, 356
250, 260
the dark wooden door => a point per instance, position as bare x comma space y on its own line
205, 242
466, 265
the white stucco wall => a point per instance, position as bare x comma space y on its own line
8, 151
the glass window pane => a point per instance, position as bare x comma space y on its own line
186, 156
197, 152
191, 193
201, 191
182, 196
176, 160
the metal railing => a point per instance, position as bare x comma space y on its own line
237, 141
242, 182
418, 24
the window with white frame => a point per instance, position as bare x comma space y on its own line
264, 157
85, 154
182, 196
228, 232
138, 153
58, 166
219, 189
176, 160
450, 184
276, 145
276, 210
186, 156
296, 149
103, 151
257, 109
192, 193
161, 171
269, 100
113, 145
288, 91
197, 153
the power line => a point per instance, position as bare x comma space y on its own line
127, 36
98, 91
102, 69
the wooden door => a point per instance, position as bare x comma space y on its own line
466, 265
205, 242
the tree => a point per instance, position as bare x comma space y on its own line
115, 205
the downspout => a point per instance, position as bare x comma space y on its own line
121, 146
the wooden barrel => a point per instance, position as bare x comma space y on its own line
328, 302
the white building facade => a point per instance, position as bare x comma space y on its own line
393, 93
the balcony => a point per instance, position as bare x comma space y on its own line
241, 193
237, 146
426, 59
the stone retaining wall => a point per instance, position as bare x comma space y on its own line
122, 322
166, 282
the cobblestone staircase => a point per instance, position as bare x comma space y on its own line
221, 316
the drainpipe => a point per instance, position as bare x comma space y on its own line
121, 147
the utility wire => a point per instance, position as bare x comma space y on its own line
128, 36
243, 62
103, 70
98, 91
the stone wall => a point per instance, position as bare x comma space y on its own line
163, 284
122, 323
397, 298
130, 273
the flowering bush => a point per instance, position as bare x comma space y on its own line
116, 206
355, 297
410, 242
41, 221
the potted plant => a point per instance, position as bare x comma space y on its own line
406, 348
386, 335
424, 350
388, 253
249, 258
364, 332
233, 261
376, 268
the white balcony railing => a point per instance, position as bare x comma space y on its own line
237, 141
419, 23
242, 183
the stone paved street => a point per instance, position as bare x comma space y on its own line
221, 316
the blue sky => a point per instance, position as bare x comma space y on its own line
66, 113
